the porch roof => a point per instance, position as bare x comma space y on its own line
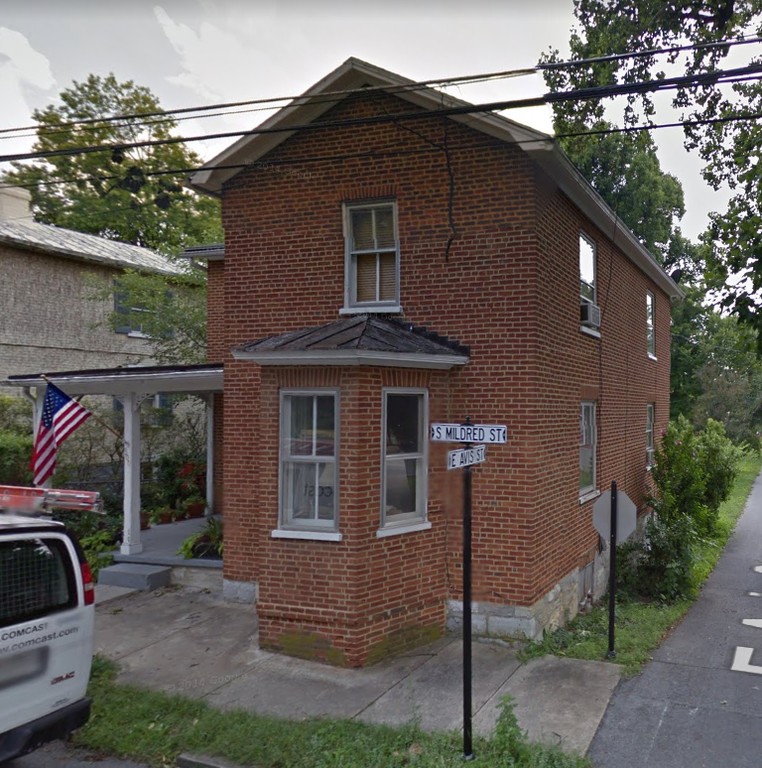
357, 340
146, 379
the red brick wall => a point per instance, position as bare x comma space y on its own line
215, 292
508, 287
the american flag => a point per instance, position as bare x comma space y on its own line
60, 417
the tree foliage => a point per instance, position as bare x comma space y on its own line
693, 474
720, 119
170, 311
121, 193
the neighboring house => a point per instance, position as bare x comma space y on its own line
541, 311
50, 322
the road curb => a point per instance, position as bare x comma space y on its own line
203, 761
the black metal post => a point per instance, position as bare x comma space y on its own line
468, 752
612, 572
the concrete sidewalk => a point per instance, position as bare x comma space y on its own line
188, 641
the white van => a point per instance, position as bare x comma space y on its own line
47, 618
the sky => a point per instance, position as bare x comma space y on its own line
199, 52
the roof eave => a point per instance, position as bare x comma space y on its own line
584, 196
207, 380
88, 258
358, 357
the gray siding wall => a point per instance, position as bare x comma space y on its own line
49, 323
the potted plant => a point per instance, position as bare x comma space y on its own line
206, 543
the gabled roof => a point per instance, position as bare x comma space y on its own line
357, 340
354, 74
55, 241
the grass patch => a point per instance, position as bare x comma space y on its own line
155, 728
640, 627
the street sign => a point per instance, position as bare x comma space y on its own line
626, 516
469, 433
466, 457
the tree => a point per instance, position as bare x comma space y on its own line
122, 193
127, 194
623, 167
721, 120
170, 311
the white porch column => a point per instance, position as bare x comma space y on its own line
131, 539
209, 454
38, 401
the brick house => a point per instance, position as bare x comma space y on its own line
50, 322
394, 259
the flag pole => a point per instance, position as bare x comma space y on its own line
93, 415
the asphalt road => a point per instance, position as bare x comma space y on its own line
59, 755
698, 704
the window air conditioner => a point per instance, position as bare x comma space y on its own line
590, 314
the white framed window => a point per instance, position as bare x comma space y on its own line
129, 319
650, 328
650, 417
587, 448
309, 439
587, 270
404, 472
372, 257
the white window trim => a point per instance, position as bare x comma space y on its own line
353, 308
589, 497
418, 521
396, 530
651, 325
590, 332
594, 285
585, 494
287, 533
313, 529
650, 422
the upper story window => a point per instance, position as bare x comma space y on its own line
587, 289
650, 416
309, 442
129, 319
650, 328
587, 448
372, 257
589, 312
404, 457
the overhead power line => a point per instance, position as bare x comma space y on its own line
266, 104
394, 153
649, 52
596, 92
273, 101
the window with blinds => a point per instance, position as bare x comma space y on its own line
372, 255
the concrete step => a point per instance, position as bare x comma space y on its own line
135, 576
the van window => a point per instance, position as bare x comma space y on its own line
36, 578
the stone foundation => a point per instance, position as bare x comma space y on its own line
561, 604
239, 591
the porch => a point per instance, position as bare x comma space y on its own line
131, 385
160, 564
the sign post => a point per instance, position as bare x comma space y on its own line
465, 458
468, 752
612, 572
614, 517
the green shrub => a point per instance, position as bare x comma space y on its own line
693, 474
15, 415
719, 459
15, 453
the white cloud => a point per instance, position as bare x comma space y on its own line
24, 73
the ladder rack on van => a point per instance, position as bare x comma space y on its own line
20, 500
